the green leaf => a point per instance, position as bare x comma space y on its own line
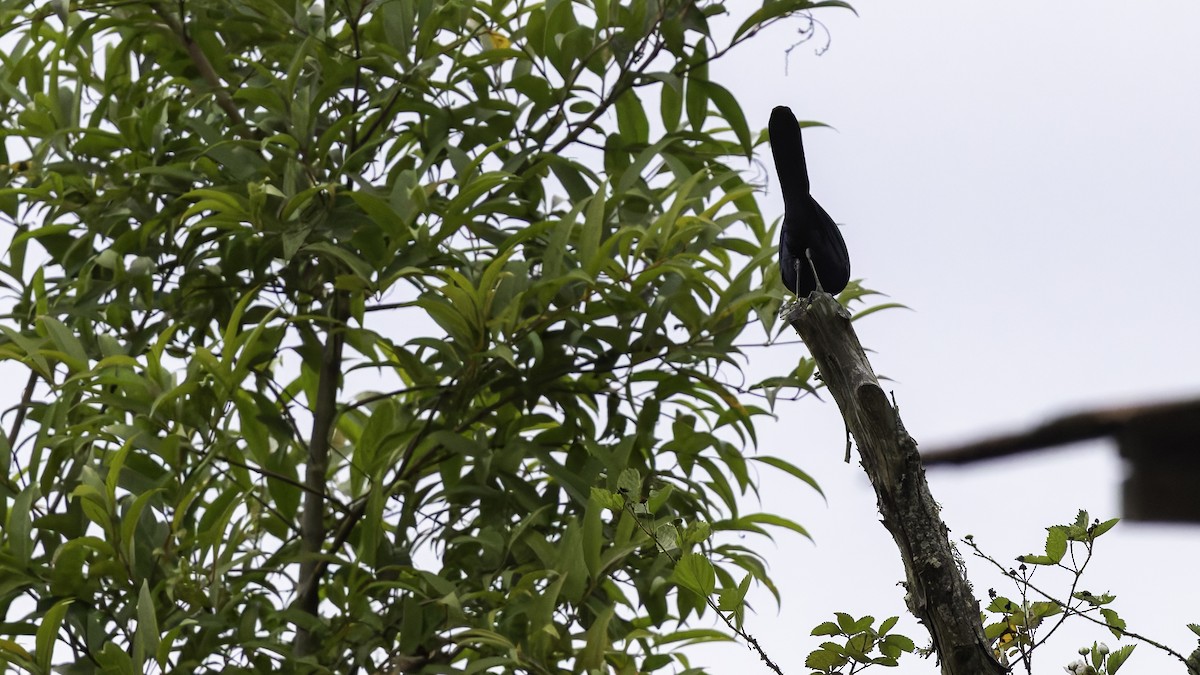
1101, 528
1117, 658
827, 628
147, 637
610, 500
695, 636
862, 624
629, 483
777, 521
17, 534
593, 533
632, 123
47, 633
731, 111
695, 573
1056, 544
790, 469
671, 102
113, 659
352, 262
71, 350
1115, 623
776, 9
825, 660
888, 624
901, 642
598, 641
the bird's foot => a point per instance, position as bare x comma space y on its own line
812, 266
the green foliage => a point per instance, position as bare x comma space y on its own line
1058, 536
1013, 627
1193, 660
862, 644
345, 326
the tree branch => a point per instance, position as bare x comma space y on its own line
938, 592
203, 65
312, 524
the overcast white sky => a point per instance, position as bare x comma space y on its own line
1024, 175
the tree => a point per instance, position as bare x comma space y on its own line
355, 337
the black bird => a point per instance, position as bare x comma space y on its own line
807, 230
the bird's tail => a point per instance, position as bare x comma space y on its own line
788, 149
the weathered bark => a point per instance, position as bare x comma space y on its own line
938, 592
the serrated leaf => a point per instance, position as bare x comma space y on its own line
608, 499
862, 624
903, 642
629, 483
827, 628
824, 660
887, 624
1115, 623
1056, 544
695, 573
1118, 657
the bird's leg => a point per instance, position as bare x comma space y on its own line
813, 267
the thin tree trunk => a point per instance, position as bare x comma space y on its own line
938, 592
312, 523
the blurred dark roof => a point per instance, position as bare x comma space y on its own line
1161, 442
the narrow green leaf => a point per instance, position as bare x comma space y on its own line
147, 629
20, 543
791, 469
1101, 528
598, 642
47, 634
731, 111
64, 338
593, 533
632, 123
